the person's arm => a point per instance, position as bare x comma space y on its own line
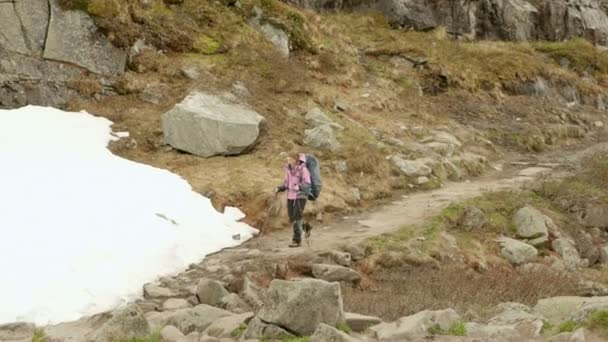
305, 181
283, 187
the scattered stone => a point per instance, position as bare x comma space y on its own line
559, 309
598, 124
335, 273
128, 323
301, 306
325, 333
443, 137
422, 180
566, 249
341, 106
239, 89
517, 252
587, 248
531, 224
224, 327
341, 258
360, 323
274, 35
176, 304
355, 195
316, 117
211, 292
190, 72
322, 137
252, 294
187, 321
473, 219
233, 303
340, 166
153, 290
411, 168
356, 251
514, 313
207, 125
415, 326
172, 334
604, 254
258, 329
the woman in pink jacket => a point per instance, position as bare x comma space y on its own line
297, 185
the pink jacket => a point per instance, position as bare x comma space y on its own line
297, 180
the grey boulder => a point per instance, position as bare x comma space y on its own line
517, 252
335, 273
208, 125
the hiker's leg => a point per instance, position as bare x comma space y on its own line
297, 231
299, 206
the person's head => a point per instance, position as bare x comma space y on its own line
292, 158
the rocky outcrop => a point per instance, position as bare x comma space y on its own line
518, 20
300, 306
207, 125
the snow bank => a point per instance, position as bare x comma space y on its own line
82, 229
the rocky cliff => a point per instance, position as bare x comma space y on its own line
42, 47
517, 20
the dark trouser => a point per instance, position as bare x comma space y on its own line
295, 208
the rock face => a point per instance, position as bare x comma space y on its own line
335, 273
517, 252
518, 20
42, 28
300, 306
415, 326
207, 125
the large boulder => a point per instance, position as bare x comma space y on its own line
258, 329
172, 334
517, 252
233, 303
252, 294
412, 168
415, 326
210, 292
223, 327
275, 35
72, 37
300, 306
322, 137
559, 309
128, 323
472, 219
207, 125
335, 273
567, 250
360, 323
316, 117
531, 224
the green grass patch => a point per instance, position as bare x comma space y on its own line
580, 53
456, 329
206, 45
39, 335
344, 328
598, 321
238, 332
567, 326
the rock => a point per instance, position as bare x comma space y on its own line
355, 195
189, 320
72, 37
604, 254
316, 117
322, 137
588, 288
523, 330
224, 327
300, 306
415, 326
341, 258
128, 323
411, 168
589, 306
422, 180
233, 303
273, 34
17, 332
207, 125
408, 13
444, 138
252, 294
176, 304
514, 313
594, 216
360, 323
340, 166
335, 273
172, 334
258, 329
356, 251
211, 292
190, 72
559, 309
33, 16
517, 252
442, 148
154, 95
239, 89
566, 249
472, 219
454, 173
587, 248
325, 333
152, 290
531, 224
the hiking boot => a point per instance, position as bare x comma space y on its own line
307, 229
294, 244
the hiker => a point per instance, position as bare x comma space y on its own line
297, 184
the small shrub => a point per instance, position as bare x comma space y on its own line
206, 45
238, 332
567, 326
39, 336
344, 328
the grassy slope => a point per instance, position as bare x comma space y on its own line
354, 58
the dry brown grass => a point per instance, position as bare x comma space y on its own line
398, 293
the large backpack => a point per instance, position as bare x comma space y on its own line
314, 167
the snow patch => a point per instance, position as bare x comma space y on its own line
82, 229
